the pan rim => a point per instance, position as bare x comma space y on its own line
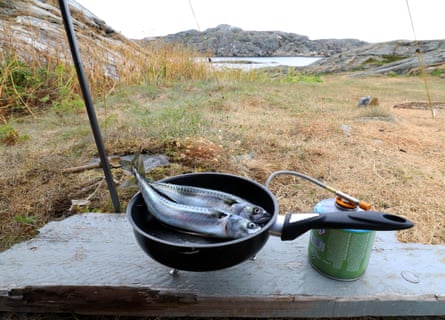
223, 243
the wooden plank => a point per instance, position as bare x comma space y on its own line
136, 301
91, 264
420, 105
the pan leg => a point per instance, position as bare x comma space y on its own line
173, 272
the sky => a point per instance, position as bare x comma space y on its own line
368, 20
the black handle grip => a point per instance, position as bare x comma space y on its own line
364, 220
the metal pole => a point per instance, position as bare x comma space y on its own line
66, 16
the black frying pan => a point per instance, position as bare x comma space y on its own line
190, 252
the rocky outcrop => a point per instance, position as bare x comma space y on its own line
356, 57
229, 41
33, 29
397, 57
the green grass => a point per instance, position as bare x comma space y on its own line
294, 76
9, 135
376, 113
437, 73
41, 81
28, 87
385, 59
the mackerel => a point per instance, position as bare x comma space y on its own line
210, 198
210, 222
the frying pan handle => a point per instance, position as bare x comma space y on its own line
294, 226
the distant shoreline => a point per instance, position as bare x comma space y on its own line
247, 63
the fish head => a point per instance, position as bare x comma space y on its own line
256, 214
238, 227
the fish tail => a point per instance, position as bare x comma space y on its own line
136, 165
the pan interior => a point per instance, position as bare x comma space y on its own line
145, 224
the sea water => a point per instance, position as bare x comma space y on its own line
248, 63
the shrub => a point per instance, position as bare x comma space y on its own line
27, 87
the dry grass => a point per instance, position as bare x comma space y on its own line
36, 70
156, 98
390, 157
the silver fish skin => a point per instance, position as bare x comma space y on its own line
205, 221
209, 198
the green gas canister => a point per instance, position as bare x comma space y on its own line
341, 254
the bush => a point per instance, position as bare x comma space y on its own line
26, 88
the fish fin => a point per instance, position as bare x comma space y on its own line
230, 201
219, 214
155, 187
139, 164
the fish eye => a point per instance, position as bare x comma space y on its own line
257, 210
251, 225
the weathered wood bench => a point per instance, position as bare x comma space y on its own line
91, 264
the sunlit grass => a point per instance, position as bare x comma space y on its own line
33, 79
